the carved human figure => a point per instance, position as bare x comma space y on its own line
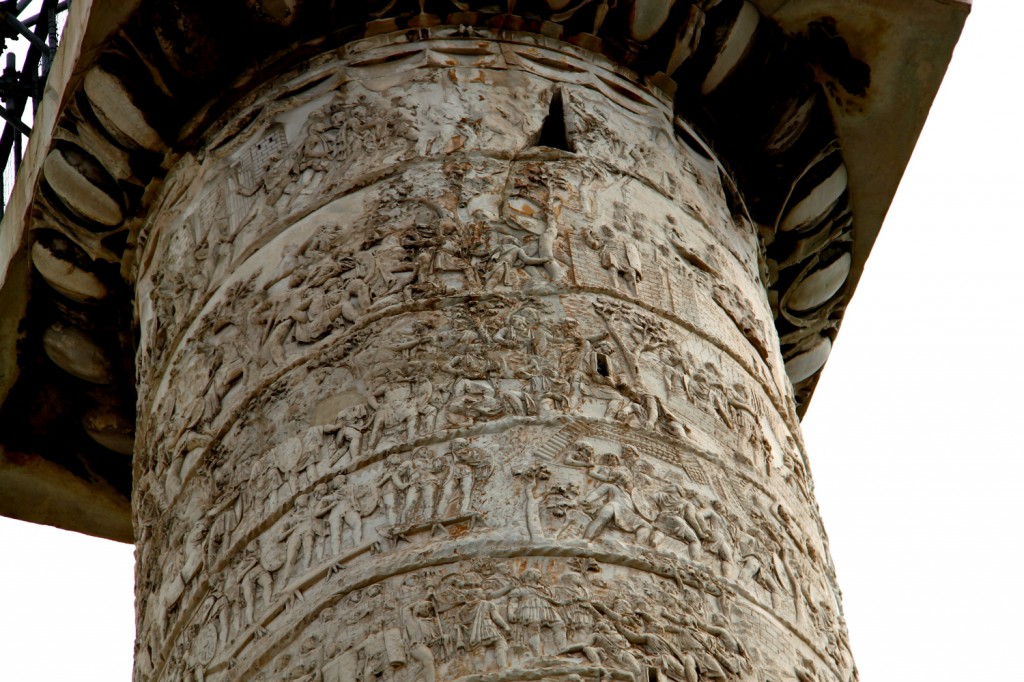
532, 608
228, 366
677, 517
469, 465
378, 657
807, 671
716, 534
755, 568
624, 266
422, 396
189, 450
678, 662
707, 389
486, 626
606, 648
298, 456
613, 505
224, 517
580, 454
316, 312
424, 481
342, 512
349, 426
580, 614
393, 410
193, 550
393, 482
473, 394
419, 632
256, 577
301, 535
266, 482
507, 257
316, 148
447, 250
733, 656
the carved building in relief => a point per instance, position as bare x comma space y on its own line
466, 342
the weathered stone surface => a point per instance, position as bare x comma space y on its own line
116, 110
456, 364
76, 353
77, 179
789, 94
460, 356
65, 276
111, 429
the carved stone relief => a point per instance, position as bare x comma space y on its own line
465, 372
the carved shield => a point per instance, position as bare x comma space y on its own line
341, 669
205, 646
272, 555
634, 259
366, 499
645, 506
394, 648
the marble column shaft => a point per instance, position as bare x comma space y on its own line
456, 364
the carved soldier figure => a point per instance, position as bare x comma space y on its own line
348, 428
676, 518
507, 257
293, 460
227, 368
733, 656
628, 270
394, 481
580, 614
613, 505
469, 465
393, 408
447, 251
419, 632
317, 147
581, 455
678, 663
192, 549
487, 628
424, 484
301, 534
255, 571
266, 481
382, 652
605, 647
533, 609
756, 567
342, 512
543, 226
716, 534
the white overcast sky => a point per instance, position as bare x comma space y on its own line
914, 432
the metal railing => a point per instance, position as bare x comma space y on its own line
29, 31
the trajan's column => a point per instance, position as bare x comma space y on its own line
445, 340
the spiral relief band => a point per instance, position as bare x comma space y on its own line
455, 364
